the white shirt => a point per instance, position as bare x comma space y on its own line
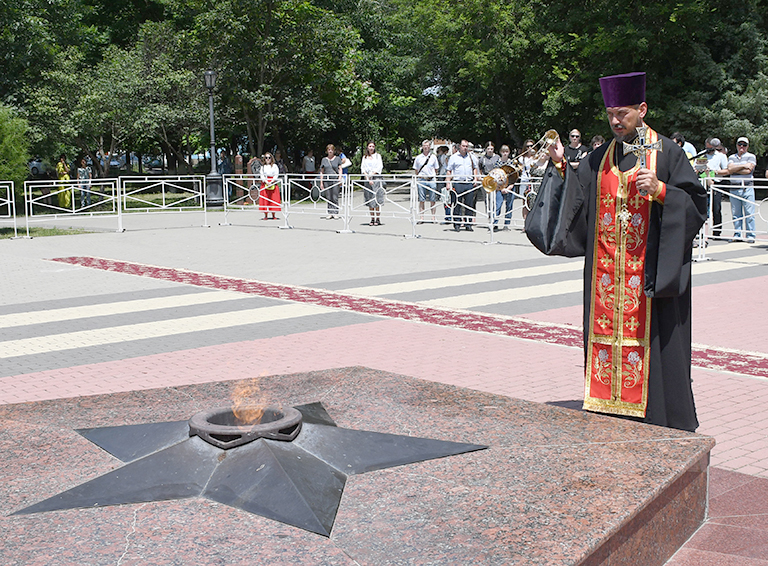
371, 164
742, 160
269, 172
429, 163
462, 168
309, 163
717, 161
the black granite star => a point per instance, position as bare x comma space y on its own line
299, 483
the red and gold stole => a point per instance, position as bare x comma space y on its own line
618, 348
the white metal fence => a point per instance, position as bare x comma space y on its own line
8, 205
358, 201
51, 199
734, 213
245, 193
167, 194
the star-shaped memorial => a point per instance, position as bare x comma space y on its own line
298, 482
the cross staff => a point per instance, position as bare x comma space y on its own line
640, 149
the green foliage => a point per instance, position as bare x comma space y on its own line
40, 232
32, 35
14, 147
91, 76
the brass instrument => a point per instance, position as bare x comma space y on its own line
500, 177
507, 175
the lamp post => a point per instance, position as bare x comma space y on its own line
214, 193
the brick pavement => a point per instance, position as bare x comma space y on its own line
730, 404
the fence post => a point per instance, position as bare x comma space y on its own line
120, 195
412, 203
285, 201
346, 204
490, 205
27, 205
205, 194
225, 182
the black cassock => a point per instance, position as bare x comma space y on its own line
562, 222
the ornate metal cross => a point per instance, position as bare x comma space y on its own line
641, 147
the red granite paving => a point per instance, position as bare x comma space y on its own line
693, 557
736, 531
724, 317
420, 350
745, 363
731, 408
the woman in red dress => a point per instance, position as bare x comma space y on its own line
269, 194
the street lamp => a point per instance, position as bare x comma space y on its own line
215, 195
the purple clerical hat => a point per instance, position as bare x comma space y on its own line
623, 90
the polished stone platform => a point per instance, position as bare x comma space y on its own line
555, 487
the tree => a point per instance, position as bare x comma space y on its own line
282, 65
14, 149
14, 146
33, 33
170, 101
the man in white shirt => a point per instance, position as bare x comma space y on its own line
741, 165
461, 177
425, 165
716, 166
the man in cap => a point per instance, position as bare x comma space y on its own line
635, 224
741, 165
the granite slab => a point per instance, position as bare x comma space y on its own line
555, 487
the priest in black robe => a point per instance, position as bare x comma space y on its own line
632, 209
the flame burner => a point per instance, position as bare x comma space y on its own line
223, 429
299, 483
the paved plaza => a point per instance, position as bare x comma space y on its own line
170, 303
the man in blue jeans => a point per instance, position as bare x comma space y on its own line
425, 167
741, 165
505, 195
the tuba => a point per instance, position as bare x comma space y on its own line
506, 175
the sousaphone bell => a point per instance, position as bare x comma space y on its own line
507, 175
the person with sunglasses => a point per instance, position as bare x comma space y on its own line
269, 193
371, 168
575, 151
741, 165
331, 180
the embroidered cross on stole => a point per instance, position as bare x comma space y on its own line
618, 348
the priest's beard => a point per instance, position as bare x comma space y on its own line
630, 135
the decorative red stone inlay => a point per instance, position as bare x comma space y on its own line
744, 363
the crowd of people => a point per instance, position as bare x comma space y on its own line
713, 164
451, 174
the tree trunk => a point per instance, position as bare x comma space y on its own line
249, 132
262, 129
174, 153
98, 169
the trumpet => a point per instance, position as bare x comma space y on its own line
506, 175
